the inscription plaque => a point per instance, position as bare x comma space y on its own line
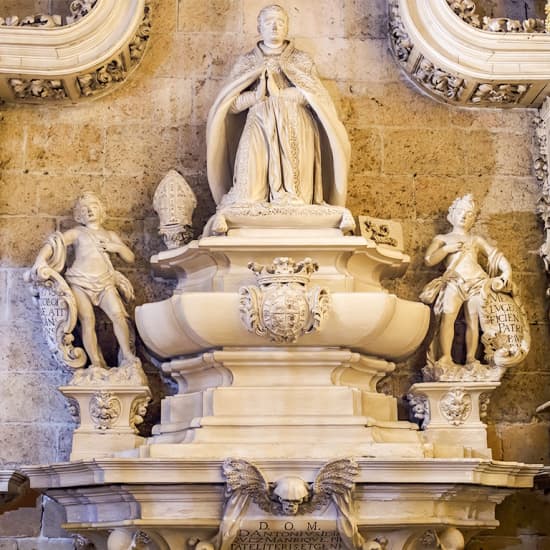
308, 534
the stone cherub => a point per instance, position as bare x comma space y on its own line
90, 281
288, 496
487, 296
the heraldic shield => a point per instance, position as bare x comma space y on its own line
283, 308
504, 326
57, 305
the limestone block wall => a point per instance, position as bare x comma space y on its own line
411, 157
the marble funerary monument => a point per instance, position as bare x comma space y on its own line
277, 333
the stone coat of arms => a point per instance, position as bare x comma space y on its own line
283, 307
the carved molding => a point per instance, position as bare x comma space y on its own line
456, 60
73, 62
12, 485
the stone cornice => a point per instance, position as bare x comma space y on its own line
77, 61
461, 65
169, 471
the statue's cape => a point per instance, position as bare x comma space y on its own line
224, 129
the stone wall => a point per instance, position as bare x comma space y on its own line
411, 158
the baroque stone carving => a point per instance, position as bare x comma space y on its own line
465, 9
105, 409
484, 401
115, 37
139, 42
44, 89
379, 233
489, 300
276, 156
438, 81
456, 406
90, 281
419, 409
400, 40
499, 93
102, 77
175, 202
78, 9
138, 411
290, 496
283, 308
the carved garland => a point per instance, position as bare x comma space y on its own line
78, 10
465, 9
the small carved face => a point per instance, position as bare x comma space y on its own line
290, 507
273, 26
291, 491
463, 217
88, 208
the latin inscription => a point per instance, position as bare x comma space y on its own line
53, 311
501, 312
287, 535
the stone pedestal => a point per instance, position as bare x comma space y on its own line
109, 415
281, 402
450, 413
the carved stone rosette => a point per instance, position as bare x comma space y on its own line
104, 409
456, 406
283, 308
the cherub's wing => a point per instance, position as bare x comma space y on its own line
334, 478
247, 478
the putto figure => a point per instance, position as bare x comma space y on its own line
487, 297
91, 281
273, 134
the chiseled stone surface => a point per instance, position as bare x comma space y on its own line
410, 158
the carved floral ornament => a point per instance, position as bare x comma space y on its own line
475, 66
107, 37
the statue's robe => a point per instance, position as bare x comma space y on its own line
290, 145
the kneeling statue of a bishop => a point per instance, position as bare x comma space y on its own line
273, 134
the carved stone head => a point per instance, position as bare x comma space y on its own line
291, 492
462, 212
273, 25
87, 207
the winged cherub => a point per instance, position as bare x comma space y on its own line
290, 496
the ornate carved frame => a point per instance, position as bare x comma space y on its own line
76, 61
459, 64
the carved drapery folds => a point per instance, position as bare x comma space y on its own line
104, 42
469, 66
